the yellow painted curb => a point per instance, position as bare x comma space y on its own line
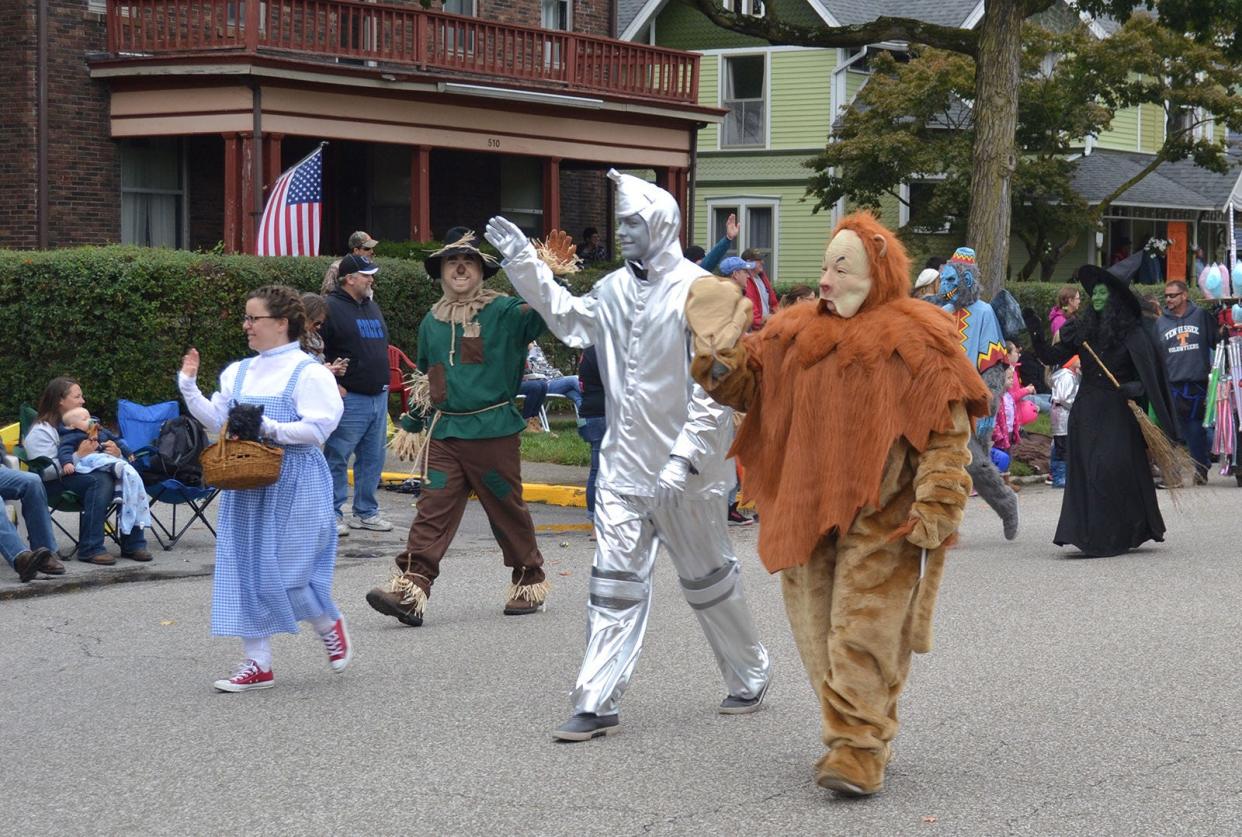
532, 492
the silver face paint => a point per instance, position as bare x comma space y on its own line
634, 238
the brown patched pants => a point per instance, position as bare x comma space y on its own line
492, 469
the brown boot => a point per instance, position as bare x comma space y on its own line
850, 771
51, 564
27, 565
524, 597
404, 599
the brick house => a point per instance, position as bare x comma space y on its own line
162, 122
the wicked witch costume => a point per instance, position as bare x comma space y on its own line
472, 348
1110, 501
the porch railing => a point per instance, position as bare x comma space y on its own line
403, 37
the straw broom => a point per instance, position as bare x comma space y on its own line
1172, 460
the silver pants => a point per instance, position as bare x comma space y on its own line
630, 531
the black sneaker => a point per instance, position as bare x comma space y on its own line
584, 726
736, 518
734, 705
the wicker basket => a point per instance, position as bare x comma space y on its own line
234, 465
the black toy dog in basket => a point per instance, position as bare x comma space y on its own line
235, 463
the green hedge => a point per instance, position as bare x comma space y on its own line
119, 318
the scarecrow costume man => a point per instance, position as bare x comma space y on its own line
472, 348
858, 413
984, 343
662, 476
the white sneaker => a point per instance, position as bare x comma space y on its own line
342, 529
375, 523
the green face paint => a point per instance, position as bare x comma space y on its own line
1099, 296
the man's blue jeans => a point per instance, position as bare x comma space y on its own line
1190, 404
592, 432
27, 488
567, 386
95, 492
362, 433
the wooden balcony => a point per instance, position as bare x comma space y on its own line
402, 39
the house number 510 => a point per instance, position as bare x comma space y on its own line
493, 142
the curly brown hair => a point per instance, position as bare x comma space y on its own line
284, 302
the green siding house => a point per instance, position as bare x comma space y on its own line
781, 103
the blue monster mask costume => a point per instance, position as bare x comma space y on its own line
958, 293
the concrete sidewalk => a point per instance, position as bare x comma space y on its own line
195, 554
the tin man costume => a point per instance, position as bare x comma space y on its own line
663, 476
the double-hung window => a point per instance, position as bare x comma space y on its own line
757, 221
152, 193
744, 95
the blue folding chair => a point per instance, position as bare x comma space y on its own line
140, 426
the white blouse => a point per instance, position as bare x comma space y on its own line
316, 397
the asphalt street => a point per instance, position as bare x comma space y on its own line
1063, 696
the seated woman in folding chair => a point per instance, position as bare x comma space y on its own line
276, 545
94, 490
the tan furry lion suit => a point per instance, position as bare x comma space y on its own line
859, 408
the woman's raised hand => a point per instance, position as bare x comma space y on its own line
189, 364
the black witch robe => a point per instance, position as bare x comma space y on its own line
1110, 501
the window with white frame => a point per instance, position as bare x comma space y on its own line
916, 196
152, 193
1200, 124
744, 95
556, 14
753, 8
98, 7
756, 220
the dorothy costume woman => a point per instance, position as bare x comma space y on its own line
276, 546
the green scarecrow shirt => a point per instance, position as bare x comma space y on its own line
475, 366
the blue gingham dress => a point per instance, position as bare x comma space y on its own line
276, 549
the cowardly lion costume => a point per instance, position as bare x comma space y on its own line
854, 446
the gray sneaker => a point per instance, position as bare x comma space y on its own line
341, 528
375, 523
584, 726
734, 705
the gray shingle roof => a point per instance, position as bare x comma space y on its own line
943, 12
627, 10
1173, 185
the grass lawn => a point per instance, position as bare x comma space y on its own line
562, 446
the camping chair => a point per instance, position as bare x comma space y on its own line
65, 501
396, 377
140, 426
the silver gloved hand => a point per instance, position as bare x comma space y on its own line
671, 484
506, 236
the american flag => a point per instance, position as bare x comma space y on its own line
290, 225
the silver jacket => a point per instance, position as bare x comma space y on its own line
638, 328
1064, 391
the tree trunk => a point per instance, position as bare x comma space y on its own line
996, 124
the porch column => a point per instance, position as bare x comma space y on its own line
662, 177
420, 193
249, 212
679, 183
232, 193
271, 159
551, 194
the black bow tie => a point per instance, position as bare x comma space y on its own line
638, 270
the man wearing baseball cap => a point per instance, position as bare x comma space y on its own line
355, 330
360, 244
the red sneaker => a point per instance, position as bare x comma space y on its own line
340, 650
248, 676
